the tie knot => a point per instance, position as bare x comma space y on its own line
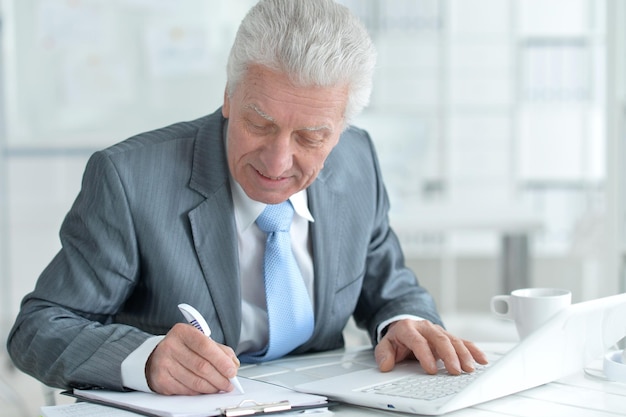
276, 217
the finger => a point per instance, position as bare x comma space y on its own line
452, 352
391, 349
221, 357
385, 355
463, 355
434, 344
231, 353
202, 373
227, 362
210, 361
468, 355
478, 355
194, 381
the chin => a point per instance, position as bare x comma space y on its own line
268, 197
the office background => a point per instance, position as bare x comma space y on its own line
499, 125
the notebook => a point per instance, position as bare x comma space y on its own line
562, 346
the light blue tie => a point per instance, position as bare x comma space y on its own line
289, 309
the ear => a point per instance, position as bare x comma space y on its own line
226, 106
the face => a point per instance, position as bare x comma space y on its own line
279, 135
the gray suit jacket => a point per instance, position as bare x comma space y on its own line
153, 226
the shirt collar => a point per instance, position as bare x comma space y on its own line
247, 210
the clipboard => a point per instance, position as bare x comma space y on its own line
250, 407
260, 398
245, 408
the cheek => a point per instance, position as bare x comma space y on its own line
238, 143
235, 151
312, 164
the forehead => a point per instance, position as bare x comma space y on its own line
273, 96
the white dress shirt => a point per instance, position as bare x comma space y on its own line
254, 327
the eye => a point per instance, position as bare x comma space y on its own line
258, 127
311, 140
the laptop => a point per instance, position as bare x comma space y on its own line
564, 345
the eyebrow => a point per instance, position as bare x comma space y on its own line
271, 119
261, 113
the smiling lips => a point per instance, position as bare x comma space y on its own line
270, 178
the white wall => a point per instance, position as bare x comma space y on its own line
449, 115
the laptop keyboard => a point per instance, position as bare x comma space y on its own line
426, 387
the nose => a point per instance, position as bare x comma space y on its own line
277, 155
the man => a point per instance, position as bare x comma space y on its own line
168, 217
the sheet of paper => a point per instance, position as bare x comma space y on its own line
200, 405
84, 410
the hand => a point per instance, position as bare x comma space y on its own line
427, 342
186, 362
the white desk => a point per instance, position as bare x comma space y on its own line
586, 393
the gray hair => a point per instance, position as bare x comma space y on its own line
313, 42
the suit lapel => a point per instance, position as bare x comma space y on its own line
324, 200
214, 231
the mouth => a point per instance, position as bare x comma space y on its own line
269, 177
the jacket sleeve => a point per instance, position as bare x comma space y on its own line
64, 334
389, 287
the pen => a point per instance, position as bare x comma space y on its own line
196, 320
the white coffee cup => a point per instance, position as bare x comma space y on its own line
530, 307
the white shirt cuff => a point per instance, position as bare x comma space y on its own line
386, 323
134, 366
